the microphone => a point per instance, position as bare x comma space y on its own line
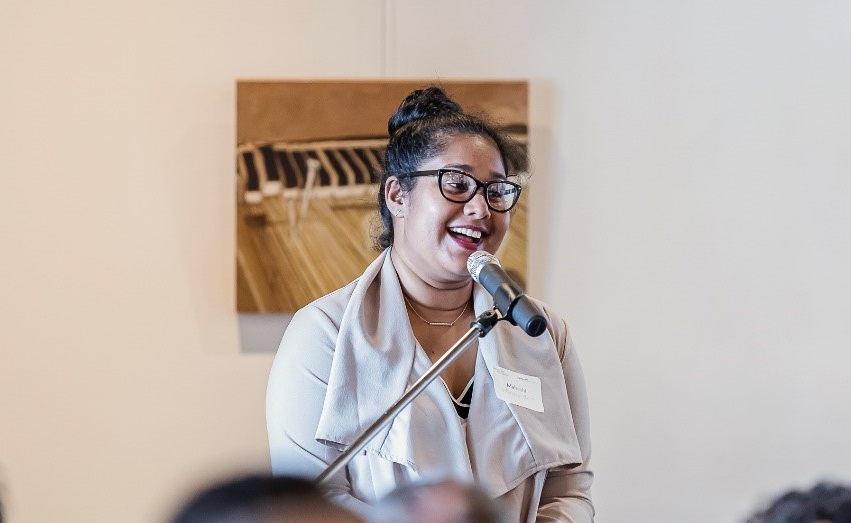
510, 300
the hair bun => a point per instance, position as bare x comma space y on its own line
430, 102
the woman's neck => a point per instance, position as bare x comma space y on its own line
431, 296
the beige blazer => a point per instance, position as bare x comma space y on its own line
346, 357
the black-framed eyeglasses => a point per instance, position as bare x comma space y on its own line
459, 187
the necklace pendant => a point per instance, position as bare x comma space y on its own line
436, 323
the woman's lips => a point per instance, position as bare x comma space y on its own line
472, 232
469, 239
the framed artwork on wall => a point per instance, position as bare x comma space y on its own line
308, 158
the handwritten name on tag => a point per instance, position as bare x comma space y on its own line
518, 389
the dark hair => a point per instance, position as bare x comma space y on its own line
253, 497
824, 502
420, 129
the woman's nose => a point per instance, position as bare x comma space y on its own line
478, 206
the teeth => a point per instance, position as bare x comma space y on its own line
466, 232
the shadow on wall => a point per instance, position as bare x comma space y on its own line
261, 333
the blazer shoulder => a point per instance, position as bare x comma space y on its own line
556, 326
331, 305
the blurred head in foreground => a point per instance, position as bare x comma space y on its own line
824, 503
262, 499
438, 502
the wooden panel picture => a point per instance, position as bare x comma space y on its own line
308, 158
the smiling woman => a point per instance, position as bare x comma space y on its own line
446, 191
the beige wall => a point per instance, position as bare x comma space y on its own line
690, 195
121, 380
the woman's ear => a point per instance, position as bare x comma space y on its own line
393, 195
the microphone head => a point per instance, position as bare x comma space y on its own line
477, 260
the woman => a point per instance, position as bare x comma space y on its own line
349, 355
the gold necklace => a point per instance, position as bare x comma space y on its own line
437, 323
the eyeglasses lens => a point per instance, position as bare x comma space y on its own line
460, 187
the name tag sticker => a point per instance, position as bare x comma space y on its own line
518, 389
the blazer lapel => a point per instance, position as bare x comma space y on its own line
375, 362
510, 442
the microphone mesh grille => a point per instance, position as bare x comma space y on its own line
477, 260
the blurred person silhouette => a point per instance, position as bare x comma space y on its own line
262, 499
826, 502
439, 501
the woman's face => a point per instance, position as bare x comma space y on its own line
434, 236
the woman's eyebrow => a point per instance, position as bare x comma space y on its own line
468, 170
460, 166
